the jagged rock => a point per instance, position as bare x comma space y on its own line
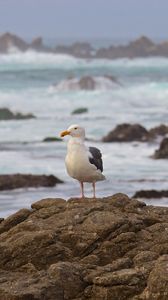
52, 139
8, 40
126, 133
80, 110
6, 114
111, 248
16, 181
151, 194
162, 152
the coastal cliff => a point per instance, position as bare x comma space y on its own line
110, 248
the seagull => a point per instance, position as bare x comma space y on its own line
82, 163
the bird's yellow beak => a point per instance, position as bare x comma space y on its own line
63, 133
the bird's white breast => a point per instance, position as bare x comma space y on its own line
77, 162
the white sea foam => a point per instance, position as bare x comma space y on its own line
32, 59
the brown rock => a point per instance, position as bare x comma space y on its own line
126, 133
16, 181
157, 284
109, 248
162, 152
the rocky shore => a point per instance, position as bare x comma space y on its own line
113, 248
141, 47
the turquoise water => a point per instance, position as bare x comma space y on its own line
28, 83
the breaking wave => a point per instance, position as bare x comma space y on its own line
34, 60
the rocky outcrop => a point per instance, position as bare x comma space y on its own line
87, 83
9, 41
111, 248
6, 114
126, 133
16, 181
162, 152
142, 47
149, 194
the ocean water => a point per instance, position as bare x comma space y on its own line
28, 83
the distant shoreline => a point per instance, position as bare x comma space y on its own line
138, 48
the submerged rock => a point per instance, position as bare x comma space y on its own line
126, 133
80, 110
109, 248
16, 181
162, 152
6, 114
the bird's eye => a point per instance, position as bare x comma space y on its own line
76, 128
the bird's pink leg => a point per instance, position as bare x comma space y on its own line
82, 190
94, 189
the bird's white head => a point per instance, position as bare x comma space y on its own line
74, 131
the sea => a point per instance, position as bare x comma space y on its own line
29, 84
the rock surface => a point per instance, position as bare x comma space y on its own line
6, 114
16, 181
126, 133
162, 152
112, 248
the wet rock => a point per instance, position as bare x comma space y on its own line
16, 181
162, 152
151, 194
52, 139
80, 110
109, 248
6, 114
126, 133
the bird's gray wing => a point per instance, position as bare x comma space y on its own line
95, 158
